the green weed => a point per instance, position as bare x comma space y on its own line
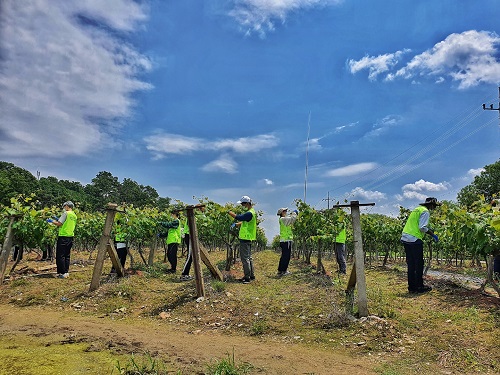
228, 366
259, 327
143, 365
218, 286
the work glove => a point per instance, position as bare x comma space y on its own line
233, 225
435, 237
55, 218
49, 221
296, 211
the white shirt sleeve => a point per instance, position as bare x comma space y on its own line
63, 217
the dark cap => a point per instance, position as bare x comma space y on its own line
431, 201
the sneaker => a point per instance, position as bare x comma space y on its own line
244, 280
62, 276
252, 277
186, 277
170, 271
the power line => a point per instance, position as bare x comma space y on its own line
460, 122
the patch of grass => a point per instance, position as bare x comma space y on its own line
124, 289
258, 327
228, 366
19, 282
218, 286
30, 300
157, 270
143, 365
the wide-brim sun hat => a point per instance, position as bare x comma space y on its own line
244, 199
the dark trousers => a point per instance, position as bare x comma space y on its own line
340, 255
17, 253
496, 266
63, 250
286, 253
47, 253
189, 259
122, 256
172, 255
415, 262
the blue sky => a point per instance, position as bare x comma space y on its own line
217, 98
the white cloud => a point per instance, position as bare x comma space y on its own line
223, 164
470, 58
245, 144
376, 65
64, 79
359, 192
422, 185
475, 172
383, 125
351, 170
260, 16
165, 143
161, 144
268, 182
414, 195
421, 189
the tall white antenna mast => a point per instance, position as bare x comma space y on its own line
307, 155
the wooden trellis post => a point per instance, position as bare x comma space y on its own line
106, 245
6, 248
358, 271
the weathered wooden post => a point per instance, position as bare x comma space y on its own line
106, 245
152, 251
202, 252
358, 271
195, 251
6, 248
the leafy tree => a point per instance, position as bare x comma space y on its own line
14, 181
138, 195
104, 188
487, 183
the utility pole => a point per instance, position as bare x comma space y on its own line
491, 108
327, 199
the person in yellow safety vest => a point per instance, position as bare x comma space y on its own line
173, 235
286, 239
247, 223
67, 224
412, 238
120, 243
496, 224
340, 251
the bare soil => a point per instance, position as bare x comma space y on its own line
291, 325
188, 351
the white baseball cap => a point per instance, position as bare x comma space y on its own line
244, 199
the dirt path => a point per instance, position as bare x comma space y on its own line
189, 351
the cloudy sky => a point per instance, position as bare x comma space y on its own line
382, 101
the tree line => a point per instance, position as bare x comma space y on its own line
50, 191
